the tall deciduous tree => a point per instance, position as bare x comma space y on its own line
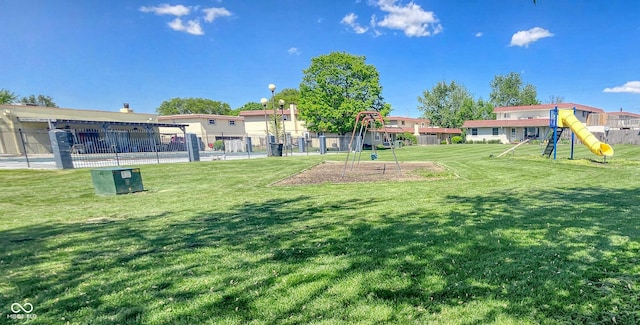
193, 106
250, 106
335, 88
7, 97
446, 105
509, 91
40, 100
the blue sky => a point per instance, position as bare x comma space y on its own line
96, 54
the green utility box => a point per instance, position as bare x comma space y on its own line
116, 180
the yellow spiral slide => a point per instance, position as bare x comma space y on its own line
567, 119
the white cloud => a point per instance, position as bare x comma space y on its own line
411, 19
212, 13
294, 51
350, 20
632, 87
192, 27
526, 37
165, 9
479, 34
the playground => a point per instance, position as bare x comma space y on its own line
520, 239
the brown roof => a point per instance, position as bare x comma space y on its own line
547, 107
506, 123
198, 116
411, 119
428, 130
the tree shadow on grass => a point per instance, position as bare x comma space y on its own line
558, 255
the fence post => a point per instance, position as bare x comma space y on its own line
61, 149
249, 145
24, 148
193, 147
323, 144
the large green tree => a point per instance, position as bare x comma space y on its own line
335, 88
250, 106
289, 95
446, 104
509, 91
7, 97
40, 100
193, 106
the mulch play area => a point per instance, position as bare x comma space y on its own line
365, 171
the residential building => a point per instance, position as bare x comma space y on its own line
209, 128
25, 128
257, 122
517, 123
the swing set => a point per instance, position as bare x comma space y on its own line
367, 122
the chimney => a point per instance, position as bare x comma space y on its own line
125, 108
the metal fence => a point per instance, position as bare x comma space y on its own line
97, 148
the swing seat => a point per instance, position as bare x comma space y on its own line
374, 156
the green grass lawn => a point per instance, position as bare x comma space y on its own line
518, 239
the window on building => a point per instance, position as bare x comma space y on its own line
232, 122
507, 115
474, 131
513, 133
212, 122
422, 124
377, 137
494, 131
402, 122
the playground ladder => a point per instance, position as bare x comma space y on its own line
550, 142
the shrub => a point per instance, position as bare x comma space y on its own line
407, 138
218, 145
456, 139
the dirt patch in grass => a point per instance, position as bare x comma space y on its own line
331, 172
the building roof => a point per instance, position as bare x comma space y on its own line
633, 115
506, 123
440, 130
546, 107
410, 119
198, 116
59, 122
262, 112
427, 130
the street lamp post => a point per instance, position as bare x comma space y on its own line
284, 131
264, 102
272, 87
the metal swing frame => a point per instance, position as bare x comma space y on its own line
367, 121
